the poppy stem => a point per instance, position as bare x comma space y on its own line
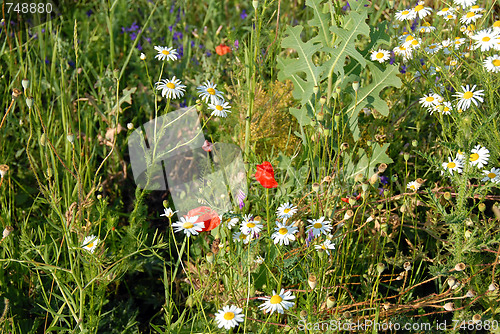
267, 212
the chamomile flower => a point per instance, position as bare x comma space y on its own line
319, 226
259, 260
413, 43
458, 42
284, 234
433, 48
325, 246
407, 14
90, 243
449, 17
445, 11
380, 55
277, 302
171, 88
251, 227
168, 213
476, 9
142, 56
166, 53
454, 165
229, 317
413, 185
421, 11
492, 64
430, 100
467, 96
232, 222
220, 108
470, 17
241, 237
188, 225
444, 108
492, 175
208, 91
402, 50
460, 155
479, 156
485, 39
464, 3
286, 211
426, 27
496, 26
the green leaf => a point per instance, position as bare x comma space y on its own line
301, 116
365, 164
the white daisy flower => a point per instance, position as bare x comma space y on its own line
485, 39
166, 53
460, 155
445, 108
467, 96
188, 225
286, 211
458, 42
430, 100
413, 185
450, 17
479, 156
380, 55
413, 43
403, 51
464, 3
208, 91
168, 213
407, 14
284, 234
229, 317
241, 237
171, 88
325, 246
277, 302
454, 165
476, 9
232, 222
251, 227
426, 27
319, 226
142, 56
90, 243
433, 48
492, 64
492, 175
445, 11
496, 26
470, 17
259, 260
220, 108
422, 11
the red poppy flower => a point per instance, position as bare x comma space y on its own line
206, 215
265, 175
222, 49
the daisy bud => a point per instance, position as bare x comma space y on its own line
16, 93
322, 100
348, 214
25, 83
315, 89
71, 138
315, 187
255, 4
143, 56
330, 302
481, 207
460, 266
355, 85
476, 318
380, 268
130, 126
210, 257
470, 294
447, 195
493, 286
29, 102
382, 167
99, 197
43, 139
7, 231
3, 170
449, 306
312, 281
407, 266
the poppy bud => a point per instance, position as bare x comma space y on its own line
380, 268
7, 231
315, 89
481, 207
355, 85
312, 281
210, 257
70, 137
315, 187
460, 266
330, 302
407, 266
322, 100
449, 306
25, 83
476, 318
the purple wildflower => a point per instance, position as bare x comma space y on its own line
243, 14
89, 12
241, 198
236, 44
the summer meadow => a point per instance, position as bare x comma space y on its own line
265, 166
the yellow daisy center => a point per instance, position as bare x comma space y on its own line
474, 157
250, 225
432, 46
496, 24
228, 316
211, 91
219, 107
276, 299
405, 12
475, 7
419, 8
323, 247
287, 210
402, 48
446, 109
468, 95
426, 24
171, 85
242, 237
90, 245
429, 99
445, 9
496, 62
412, 187
318, 225
380, 55
414, 42
485, 39
469, 15
165, 52
451, 165
283, 231
188, 225
492, 175
409, 38
450, 16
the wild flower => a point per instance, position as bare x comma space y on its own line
277, 302
479, 156
492, 175
284, 234
319, 226
453, 165
90, 243
467, 96
188, 225
325, 246
286, 211
219, 107
208, 91
166, 53
229, 317
171, 88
